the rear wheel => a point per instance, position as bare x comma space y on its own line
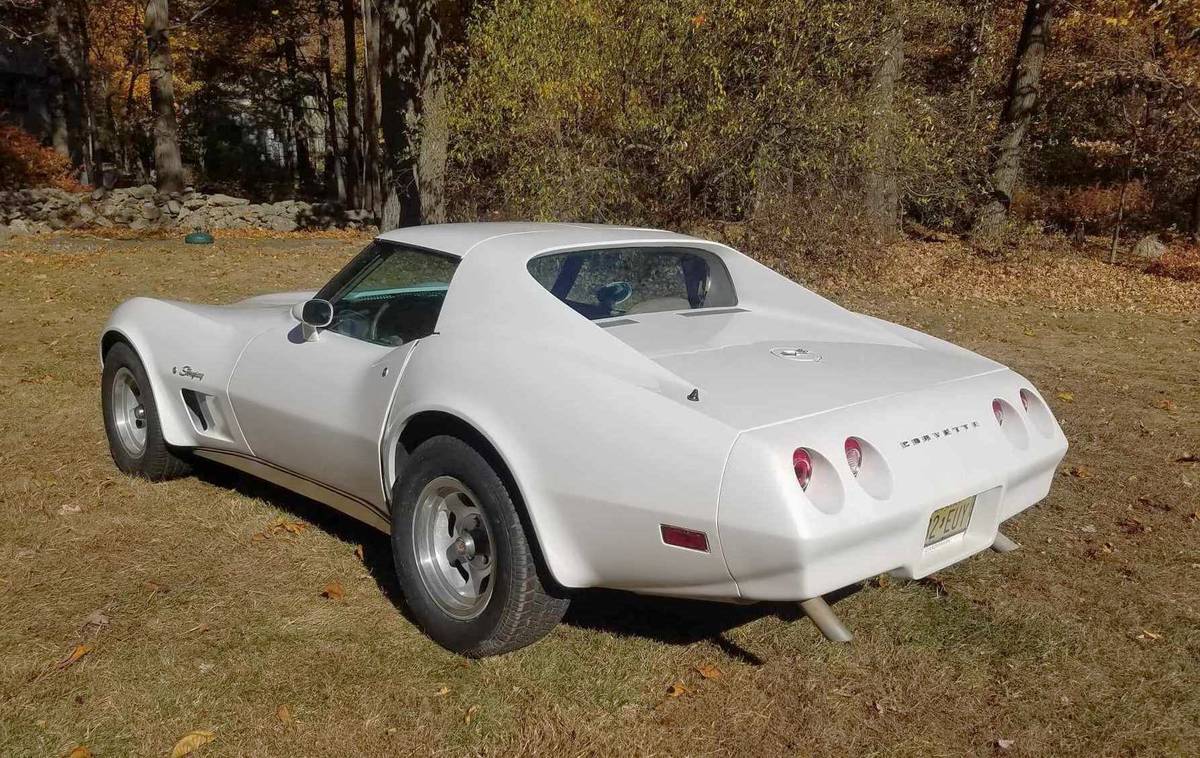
131, 420
465, 564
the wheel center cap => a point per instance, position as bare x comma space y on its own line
464, 547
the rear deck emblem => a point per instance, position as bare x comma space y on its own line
795, 354
948, 431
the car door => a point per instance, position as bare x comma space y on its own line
314, 405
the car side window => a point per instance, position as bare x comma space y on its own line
394, 296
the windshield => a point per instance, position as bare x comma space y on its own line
631, 280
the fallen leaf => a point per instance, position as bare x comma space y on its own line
1188, 459
154, 586
1067, 397
78, 652
442, 691
676, 689
358, 552
333, 591
189, 742
69, 508
1005, 744
95, 621
283, 714
1080, 472
1132, 526
470, 714
708, 671
79, 751
878, 707
1030, 333
1167, 405
295, 527
259, 537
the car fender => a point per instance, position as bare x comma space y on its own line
602, 455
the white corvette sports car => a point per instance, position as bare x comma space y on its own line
532, 408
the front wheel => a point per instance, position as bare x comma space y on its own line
131, 421
465, 564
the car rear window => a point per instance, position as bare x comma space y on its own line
624, 281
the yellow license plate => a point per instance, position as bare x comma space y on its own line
949, 521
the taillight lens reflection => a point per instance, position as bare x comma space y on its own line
998, 409
802, 465
854, 455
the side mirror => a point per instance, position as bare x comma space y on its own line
313, 314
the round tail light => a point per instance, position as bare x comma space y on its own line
854, 455
802, 465
998, 409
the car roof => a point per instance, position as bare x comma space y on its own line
463, 239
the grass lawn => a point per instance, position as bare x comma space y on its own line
199, 602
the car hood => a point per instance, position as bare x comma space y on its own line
753, 369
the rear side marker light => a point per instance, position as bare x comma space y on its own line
802, 465
998, 409
685, 538
854, 455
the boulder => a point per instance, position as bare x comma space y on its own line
283, 224
1149, 249
19, 226
143, 192
102, 221
85, 213
98, 193
174, 206
220, 200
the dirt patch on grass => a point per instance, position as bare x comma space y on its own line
1086, 641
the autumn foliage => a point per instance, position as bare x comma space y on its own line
25, 162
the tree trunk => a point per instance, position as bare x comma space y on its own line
431, 160
167, 162
1019, 108
1195, 225
335, 178
882, 192
353, 135
304, 166
371, 106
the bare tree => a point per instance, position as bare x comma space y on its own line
880, 184
335, 178
1020, 105
167, 161
371, 106
410, 36
353, 135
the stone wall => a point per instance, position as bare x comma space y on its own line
32, 211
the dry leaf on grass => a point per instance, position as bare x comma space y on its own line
80, 751
1005, 744
470, 715
95, 621
155, 587
1167, 405
190, 742
676, 689
1067, 397
1188, 459
1132, 526
1080, 472
333, 591
708, 671
78, 652
283, 714
442, 691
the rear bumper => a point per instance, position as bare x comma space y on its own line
783, 544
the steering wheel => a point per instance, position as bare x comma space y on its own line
373, 334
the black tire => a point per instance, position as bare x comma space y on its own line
156, 460
520, 609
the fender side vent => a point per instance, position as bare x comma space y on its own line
197, 410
